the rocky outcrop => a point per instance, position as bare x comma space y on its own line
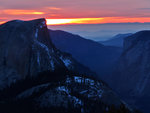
26, 49
131, 78
73, 93
133, 68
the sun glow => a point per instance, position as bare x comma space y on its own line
2, 22
103, 20
74, 21
58, 21
96, 20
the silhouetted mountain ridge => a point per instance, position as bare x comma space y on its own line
99, 58
116, 40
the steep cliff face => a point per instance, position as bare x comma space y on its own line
132, 74
133, 68
26, 49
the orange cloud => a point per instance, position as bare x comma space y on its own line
2, 22
22, 12
53, 8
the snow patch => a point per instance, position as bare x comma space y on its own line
84, 80
63, 88
38, 58
95, 89
85, 91
52, 65
45, 47
36, 33
48, 53
76, 101
89, 81
93, 93
43, 24
66, 61
66, 90
68, 80
100, 92
78, 79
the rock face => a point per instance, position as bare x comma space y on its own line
132, 74
26, 49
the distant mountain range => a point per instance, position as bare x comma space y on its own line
116, 40
99, 58
101, 32
36, 77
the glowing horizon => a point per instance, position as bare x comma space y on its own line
69, 21
96, 20
73, 21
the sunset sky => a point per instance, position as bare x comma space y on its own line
76, 11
